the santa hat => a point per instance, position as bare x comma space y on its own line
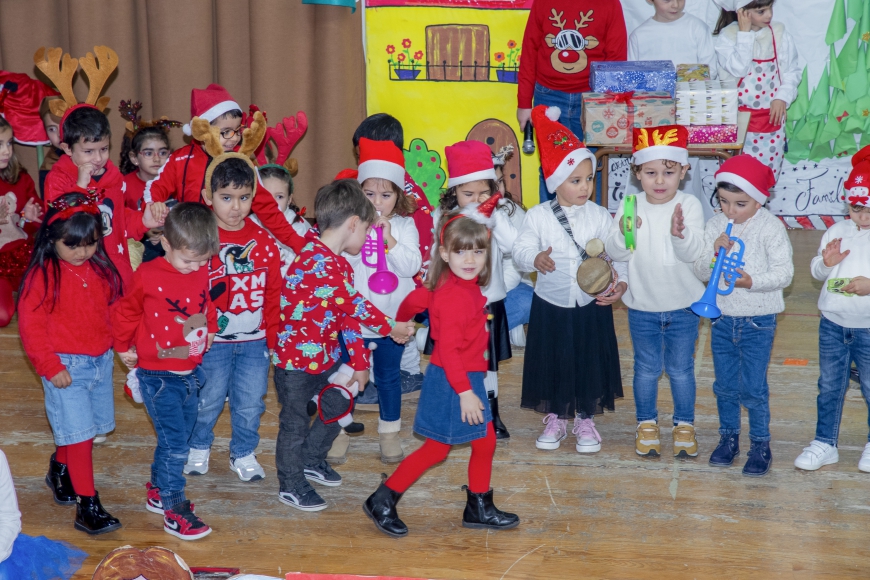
469, 161
731, 5
20, 100
209, 104
346, 174
482, 213
561, 151
858, 184
668, 142
381, 159
749, 174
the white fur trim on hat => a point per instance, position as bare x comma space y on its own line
213, 113
469, 177
668, 152
567, 167
379, 168
553, 113
731, 5
745, 185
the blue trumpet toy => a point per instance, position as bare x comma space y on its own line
726, 266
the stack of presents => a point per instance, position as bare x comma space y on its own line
650, 93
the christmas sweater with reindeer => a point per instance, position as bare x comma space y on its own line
167, 315
563, 38
318, 302
245, 285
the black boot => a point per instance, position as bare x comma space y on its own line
381, 508
92, 518
481, 513
60, 483
501, 431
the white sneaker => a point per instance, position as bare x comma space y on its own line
555, 431
818, 454
100, 438
420, 337
247, 468
197, 462
864, 464
588, 439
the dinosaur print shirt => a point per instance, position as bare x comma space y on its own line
167, 316
562, 39
245, 285
318, 302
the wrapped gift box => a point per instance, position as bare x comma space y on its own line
706, 134
609, 118
639, 75
706, 103
692, 72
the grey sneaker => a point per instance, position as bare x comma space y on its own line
303, 497
197, 462
323, 474
247, 468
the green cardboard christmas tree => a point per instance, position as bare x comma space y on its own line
424, 165
825, 124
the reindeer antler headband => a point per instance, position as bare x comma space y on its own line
285, 135
130, 111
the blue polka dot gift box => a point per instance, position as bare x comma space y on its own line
638, 75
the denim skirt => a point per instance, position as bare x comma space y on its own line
438, 414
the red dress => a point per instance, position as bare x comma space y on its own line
16, 242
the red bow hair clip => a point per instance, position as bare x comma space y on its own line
66, 208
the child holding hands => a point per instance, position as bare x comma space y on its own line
742, 338
670, 237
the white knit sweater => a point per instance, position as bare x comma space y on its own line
768, 258
847, 311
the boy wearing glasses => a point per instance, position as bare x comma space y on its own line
183, 177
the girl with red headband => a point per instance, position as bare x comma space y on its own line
63, 319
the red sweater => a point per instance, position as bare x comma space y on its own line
318, 301
124, 222
167, 314
245, 282
458, 323
567, 70
182, 177
79, 323
135, 189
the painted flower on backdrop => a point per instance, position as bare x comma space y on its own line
404, 58
499, 57
391, 49
512, 43
418, 55
400, 57
511, 58
406, 43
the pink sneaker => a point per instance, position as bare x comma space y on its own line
588, 439
555, 431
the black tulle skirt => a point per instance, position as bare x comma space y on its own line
571, 360
499, 336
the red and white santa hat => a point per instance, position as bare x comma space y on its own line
469, 161
749, 174
381, 159
667, 142
561, 151
482, 213
858, 184
732, 5
209, 104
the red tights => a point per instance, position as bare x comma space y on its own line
78, 459
432, 452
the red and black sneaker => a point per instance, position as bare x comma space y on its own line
182, 523
154, 503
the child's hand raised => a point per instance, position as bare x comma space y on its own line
677, 222
32, 212
544, 263
471, 407
832, 255
859, 285
744, 22
61, 380
86, 170
723, 241
637, 223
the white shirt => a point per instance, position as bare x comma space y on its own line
10, 517
768, 261
661, 268
737, 50
542, 230
287, 255
512, 276
847, 311
403, 260
501, 242
683, 41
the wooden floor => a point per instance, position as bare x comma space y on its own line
608, 515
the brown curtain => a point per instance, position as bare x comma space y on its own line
279, 54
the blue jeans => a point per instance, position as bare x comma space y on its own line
741, 353
239, 370
386, 364
664, 341
518, 305
838, 347
171, 400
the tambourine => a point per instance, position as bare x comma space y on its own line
596, 274
629, 221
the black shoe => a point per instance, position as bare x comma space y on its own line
303, 497
381, 508
368, 396
92, 518
726, 451
758, 459
481, 513
501, 431
59, 481
354, 428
